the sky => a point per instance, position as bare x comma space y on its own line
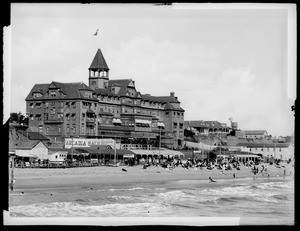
221, 62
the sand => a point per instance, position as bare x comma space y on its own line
30, 179
35, 185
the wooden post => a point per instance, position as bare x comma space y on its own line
12, 174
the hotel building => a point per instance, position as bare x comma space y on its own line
104, 109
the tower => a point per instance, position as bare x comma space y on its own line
98, 72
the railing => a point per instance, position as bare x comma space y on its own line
48, 121
136, 146
90, 120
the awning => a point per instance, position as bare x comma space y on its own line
247, 156
25, 155
141, 121
160, 124
116, 121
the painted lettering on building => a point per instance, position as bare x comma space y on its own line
77, 142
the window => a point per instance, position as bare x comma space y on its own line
181, 125
59, 129
46, 105
174, 125
73, 104
31, 105
46, 116
83, 116
73, 116
47, 130
74, 129
41, 128
82, 128
38, 117
68, 129
31, 117
38, 105
36, 95
68, 116
279, 149
52, 111
52, 93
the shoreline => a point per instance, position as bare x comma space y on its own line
32, 179
60, 185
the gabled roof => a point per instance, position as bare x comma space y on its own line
26, 144
196, 123
204, 124
254, 132
70, 91
33, 135
169, 106
264, 145
122, 83
102, 91
163, 99
99, 62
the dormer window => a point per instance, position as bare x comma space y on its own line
52, 93
37, 95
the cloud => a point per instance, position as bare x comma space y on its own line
241, 74
156, 64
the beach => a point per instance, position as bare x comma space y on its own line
29, 181
111, 192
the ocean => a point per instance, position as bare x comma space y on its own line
254, 201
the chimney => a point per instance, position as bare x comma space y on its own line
172, 94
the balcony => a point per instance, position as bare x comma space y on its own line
90, 120
90, 133
54, 121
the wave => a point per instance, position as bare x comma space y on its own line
126, 189
71, 209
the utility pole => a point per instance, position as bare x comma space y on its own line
72, 152
159, 140
115, 151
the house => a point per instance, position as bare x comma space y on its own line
57, 154
32, 149
207, 127
282, 151
252, 134
106, 108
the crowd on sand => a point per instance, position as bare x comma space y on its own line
219, 164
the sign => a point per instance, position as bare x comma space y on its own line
128, 155
81, 143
